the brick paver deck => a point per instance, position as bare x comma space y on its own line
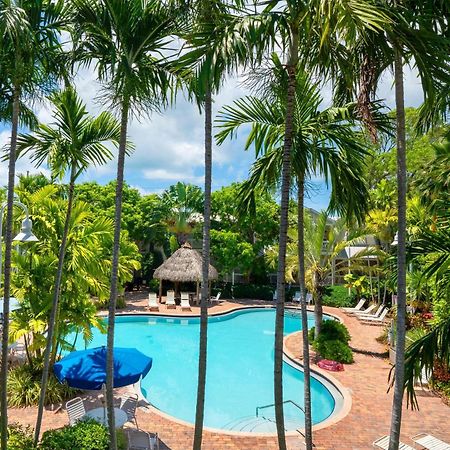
368, 419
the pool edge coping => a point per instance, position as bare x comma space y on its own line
319, 373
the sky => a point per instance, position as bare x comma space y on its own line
169, 145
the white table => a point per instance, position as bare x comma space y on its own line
100, 415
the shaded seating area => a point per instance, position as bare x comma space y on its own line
183, 266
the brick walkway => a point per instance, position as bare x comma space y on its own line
368, 419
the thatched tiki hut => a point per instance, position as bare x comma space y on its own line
185, 265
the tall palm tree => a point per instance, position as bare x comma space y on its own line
72, 144
322, 142
28, 45
217, 43
305, 32
418, 35
126, 41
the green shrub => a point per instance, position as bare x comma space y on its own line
333, 349
84, 435
24, 388
253, 291
20, 438
331, 330
335, 330
338, 297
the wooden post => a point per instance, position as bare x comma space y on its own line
197, 302
160, 291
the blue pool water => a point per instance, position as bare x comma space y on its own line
239, 371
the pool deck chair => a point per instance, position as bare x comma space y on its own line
375, 320
75, 410
274, 296
170, 299
185, 301
129, 404
430, 442
377, 313
365, 311
297, 297
309, 298
141, 440
358, 307
152, 302
215, 298
383, 443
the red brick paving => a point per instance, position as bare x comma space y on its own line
368, 419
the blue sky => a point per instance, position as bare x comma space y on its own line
169, 146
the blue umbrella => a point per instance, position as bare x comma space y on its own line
86, 369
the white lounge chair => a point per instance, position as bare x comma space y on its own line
216, 298
298, 297
358, 307
430, 442
185, 301
375, 320
153, 302
383, 443
75, 410
365, 311
274, 297
170, 299
377, 313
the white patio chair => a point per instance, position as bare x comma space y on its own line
383, 443
216, 298
184, 302
358, 307
170, 299
141, 440
377, 313
297, 296
309, 298
430, 442
375, 320
153, 301
366, 311
274, 297
75, 410
128, 404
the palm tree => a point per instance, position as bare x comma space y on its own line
72, 144
216, 44
182, 201
28, 44
126, 40
416, 36
322, 142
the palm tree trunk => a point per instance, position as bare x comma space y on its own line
318, 307
401, 255
281, 270
114, 278
301, 282
54, 311
7, 269
200, 407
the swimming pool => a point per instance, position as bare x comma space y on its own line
239, 371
